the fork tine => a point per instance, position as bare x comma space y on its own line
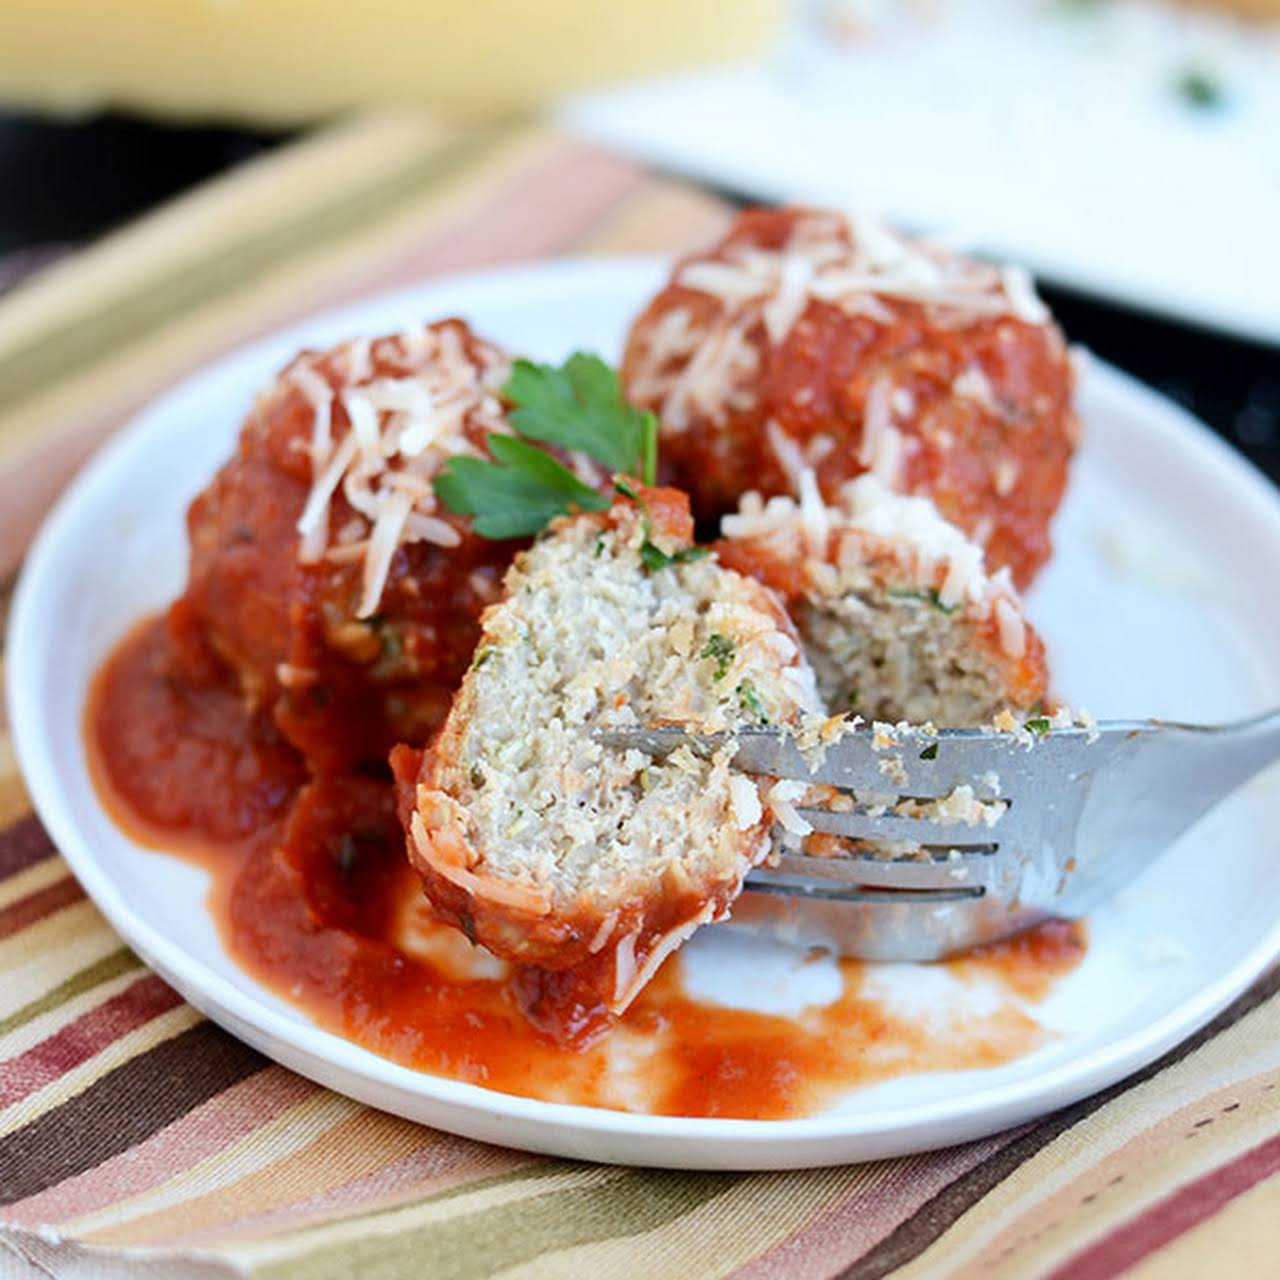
1089, 807
962, 756
949, 873
861, 825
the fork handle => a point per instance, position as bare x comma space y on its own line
1239, 750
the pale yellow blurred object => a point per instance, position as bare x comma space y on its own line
287, 61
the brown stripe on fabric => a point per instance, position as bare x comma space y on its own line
928, 1223
77, 1042
23, 844
1169, 1218
123, 1108
35, 906
215, 1126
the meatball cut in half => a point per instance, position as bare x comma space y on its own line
805, 338
588, 862
323, 573
899, 618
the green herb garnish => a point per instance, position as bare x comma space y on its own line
930, 752
721, 648
580, 406
577, 407
516, 495
1200, 89
483, 654
750, 699
1039, 725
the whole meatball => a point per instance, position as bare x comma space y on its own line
805, 339
323, 574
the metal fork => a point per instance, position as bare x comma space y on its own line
1088, 809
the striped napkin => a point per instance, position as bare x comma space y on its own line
132, 1130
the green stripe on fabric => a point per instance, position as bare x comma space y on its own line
480, 1244
88, 338
110, 966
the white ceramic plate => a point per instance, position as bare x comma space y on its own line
1155, 605
1046, 132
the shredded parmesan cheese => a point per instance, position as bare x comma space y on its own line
399, 432
855, 264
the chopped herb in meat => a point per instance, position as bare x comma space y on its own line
654, 557
927, 597
750, 699
721, 648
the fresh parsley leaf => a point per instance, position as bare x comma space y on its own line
750, 700
624, 486
721, 648
1039, 725
515, 495
580, 406
930, 752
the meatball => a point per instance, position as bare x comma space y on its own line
322, 572
587, 862
804, 338
897, 613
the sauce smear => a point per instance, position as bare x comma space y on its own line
314, 897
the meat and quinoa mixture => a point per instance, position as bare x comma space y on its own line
560, 853
804, 338
898, 615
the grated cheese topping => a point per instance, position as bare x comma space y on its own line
853, 263
407, 403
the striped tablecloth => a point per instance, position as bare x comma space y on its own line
131, 1129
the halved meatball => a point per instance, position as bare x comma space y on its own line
897, 613
587, 862
804, 338
323, 573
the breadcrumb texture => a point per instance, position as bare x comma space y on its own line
897, 613
587, 863
805, 337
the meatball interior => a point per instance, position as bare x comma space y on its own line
555, 850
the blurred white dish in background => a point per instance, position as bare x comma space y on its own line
1122, 148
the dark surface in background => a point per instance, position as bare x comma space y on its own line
63, 184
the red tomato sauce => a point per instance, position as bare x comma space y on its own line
314, 898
